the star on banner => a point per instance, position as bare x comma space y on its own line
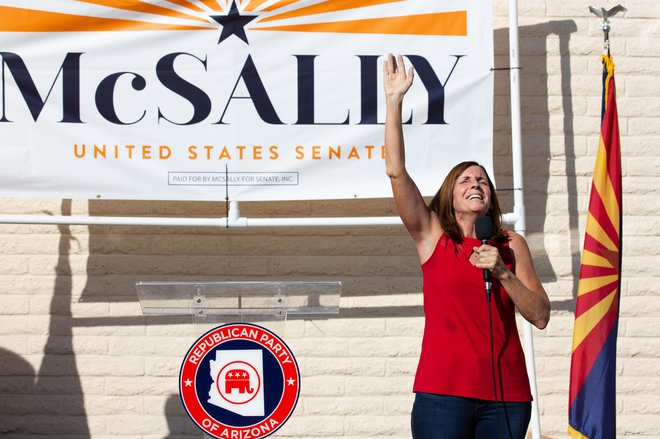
233, 23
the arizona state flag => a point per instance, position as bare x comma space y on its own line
593, 361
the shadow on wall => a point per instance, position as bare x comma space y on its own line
52, 402
17, 390
536, 132
178, 421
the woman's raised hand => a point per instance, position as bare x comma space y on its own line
395, 78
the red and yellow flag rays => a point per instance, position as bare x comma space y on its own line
593, 360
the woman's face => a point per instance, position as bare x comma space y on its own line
472, 192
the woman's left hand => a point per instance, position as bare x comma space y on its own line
488, 258
523, 286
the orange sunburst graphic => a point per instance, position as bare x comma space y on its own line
232, 16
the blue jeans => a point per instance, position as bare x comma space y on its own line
453, 417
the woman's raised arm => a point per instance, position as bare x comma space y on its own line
414, 213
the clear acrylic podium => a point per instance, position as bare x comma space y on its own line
265, 303
239, 301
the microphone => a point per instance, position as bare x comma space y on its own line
484, 230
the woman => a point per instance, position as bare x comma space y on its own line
462, 390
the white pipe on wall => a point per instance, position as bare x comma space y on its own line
234, 220
518, 197
230, 222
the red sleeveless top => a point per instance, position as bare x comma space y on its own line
455, 358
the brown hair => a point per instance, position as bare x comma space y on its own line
443, 205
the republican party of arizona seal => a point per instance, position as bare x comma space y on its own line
239, 381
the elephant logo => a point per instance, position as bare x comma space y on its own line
238, 379
238, 382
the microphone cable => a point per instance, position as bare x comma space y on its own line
484, 231
492, 367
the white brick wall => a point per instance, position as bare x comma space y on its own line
78, 359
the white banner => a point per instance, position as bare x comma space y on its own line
254, 100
